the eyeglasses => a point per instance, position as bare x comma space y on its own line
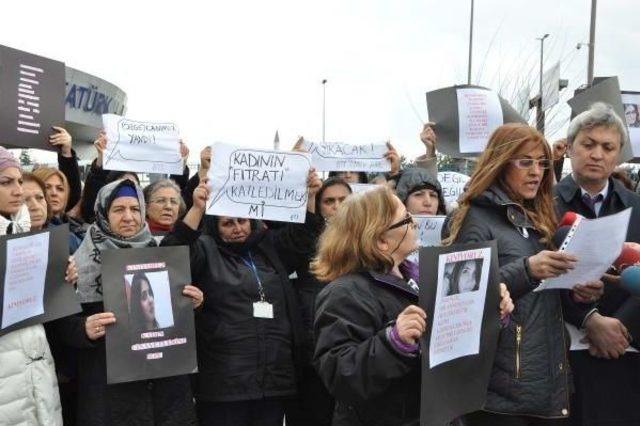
528, 163
408, 220
161, 200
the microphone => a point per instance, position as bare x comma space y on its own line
630, 280
568, 219
628, 257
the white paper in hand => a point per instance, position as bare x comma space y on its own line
596, 243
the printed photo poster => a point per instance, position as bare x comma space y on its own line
631, 104
140, 146
32, 92
33, 288
258, 183
465, 116
154, 334
429, 230
459, 290
348, 157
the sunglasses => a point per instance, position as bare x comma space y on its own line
528, 163
408, 220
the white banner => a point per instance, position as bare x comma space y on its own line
551, 87
345, 157
258, 183
139, 146
452, 184
429, 230
479, 113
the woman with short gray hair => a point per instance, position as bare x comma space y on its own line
164, 206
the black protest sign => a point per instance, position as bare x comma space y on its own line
31, 99
607, 90
443, 108
154, 334
33, 289
459, 290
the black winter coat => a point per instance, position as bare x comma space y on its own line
530, 373
158, 402
615, 302
372, 383
241, 357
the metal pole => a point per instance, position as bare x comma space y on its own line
592, 42
540, 112
324, 93
470, 44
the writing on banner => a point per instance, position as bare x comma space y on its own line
460, 297
139, 146
429, 231
258, 184
479, 114
452, 184
32, 89
345, 157
24, 278
362, 187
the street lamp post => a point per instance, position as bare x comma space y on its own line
540, 112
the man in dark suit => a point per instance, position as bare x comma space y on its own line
607, 375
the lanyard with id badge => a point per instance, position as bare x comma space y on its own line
261, 308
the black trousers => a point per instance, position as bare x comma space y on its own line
259, 412
314, 405
482, 418
607, 392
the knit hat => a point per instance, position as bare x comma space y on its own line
7, 159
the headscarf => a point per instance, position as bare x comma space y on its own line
99, 237
255, 237
20, 221
7, 159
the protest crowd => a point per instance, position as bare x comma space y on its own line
320, 320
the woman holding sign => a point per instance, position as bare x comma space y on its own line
120, 212
29, 391
367, 320
249, 335
510, 200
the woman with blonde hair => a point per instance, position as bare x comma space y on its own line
367, 321
510, 200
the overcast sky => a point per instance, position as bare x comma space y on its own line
237, 71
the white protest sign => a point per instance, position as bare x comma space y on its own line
24, 278
460, 297
631, 104
429, 231
258, 183
479, 114
452, 184
138, 146
362, 187
551, 87
345, 157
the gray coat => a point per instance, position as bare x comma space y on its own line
530, 371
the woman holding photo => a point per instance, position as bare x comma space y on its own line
367, 323
509, 200
119, 212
